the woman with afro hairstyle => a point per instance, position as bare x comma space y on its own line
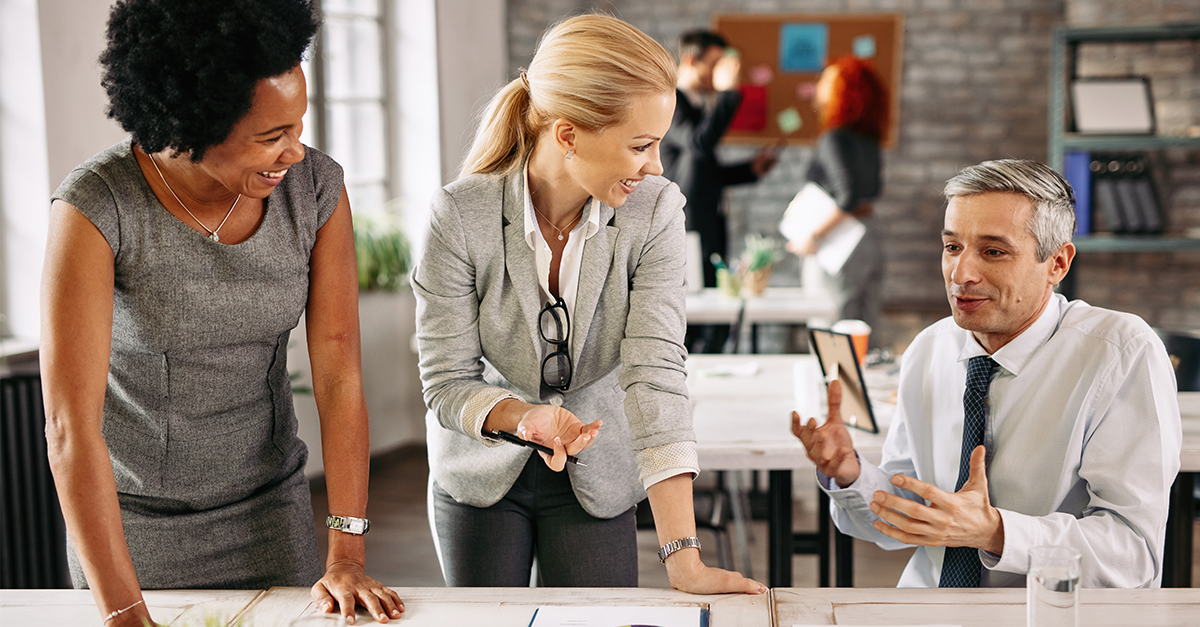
178, 262
854, 109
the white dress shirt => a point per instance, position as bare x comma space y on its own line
1083, 437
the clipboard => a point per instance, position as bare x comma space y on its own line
835, 353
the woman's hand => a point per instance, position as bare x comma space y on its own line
688, 574
802, 248
345, 586
559, 429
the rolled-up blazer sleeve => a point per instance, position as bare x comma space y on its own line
653, 373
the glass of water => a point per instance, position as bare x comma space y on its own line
1052, 587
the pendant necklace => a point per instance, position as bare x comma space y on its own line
212, 233
560, 231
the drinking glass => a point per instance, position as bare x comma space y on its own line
1052, 587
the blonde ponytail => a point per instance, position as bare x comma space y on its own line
588, 70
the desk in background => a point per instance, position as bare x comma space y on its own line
990, 607
776, 305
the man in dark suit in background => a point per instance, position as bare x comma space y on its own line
706, 100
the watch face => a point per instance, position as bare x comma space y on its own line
356, 525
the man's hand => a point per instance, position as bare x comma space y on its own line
829, 446
765, 160
964, 518
726, 73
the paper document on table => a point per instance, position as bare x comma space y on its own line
575, 616
811, 207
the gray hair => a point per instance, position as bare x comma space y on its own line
1053, 200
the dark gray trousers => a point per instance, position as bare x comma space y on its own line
540, 516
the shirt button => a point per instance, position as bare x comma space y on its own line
556, 400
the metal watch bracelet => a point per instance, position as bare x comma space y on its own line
348, 524
667, 549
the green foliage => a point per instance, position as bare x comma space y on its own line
761, 252
382, 251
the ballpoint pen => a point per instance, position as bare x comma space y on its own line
509, 437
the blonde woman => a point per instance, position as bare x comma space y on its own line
551, 301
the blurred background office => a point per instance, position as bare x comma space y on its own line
396, 83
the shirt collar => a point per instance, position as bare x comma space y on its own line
590, 222
1021, 349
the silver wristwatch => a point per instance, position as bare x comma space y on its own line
348, 524
667, 549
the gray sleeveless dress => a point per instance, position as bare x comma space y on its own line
198, 413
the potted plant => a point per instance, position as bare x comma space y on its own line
382, 251
757, 261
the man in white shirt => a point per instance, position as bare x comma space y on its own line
1075, 412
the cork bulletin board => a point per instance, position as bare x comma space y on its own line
782, 58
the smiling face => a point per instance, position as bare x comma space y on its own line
266, 142
609, 164
995, 284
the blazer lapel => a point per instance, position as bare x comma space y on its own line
520, 264
597, 259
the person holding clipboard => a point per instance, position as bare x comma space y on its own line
551, 301
845, 170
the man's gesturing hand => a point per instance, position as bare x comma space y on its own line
964, 518
829, 446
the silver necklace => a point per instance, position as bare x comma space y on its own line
212, 233
560, 231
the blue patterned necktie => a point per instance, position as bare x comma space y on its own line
961, 566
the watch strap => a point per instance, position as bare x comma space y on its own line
348, 524
683, 543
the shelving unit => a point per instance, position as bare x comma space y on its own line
1063, 70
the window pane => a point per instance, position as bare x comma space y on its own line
356, 133
367, 197
353, 67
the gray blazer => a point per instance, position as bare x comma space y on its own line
477, 311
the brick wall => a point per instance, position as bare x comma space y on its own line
975, 87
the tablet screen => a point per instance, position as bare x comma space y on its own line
835, 353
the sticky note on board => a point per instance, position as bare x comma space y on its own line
864, 46
803, 47
761, 75
789, 120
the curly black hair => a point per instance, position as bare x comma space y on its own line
180, 73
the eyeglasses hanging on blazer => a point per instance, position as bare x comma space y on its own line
555, 327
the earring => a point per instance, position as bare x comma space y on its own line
570, 153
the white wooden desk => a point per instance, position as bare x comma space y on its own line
744, 423
990, 607
778, 305
75, 608
512, 607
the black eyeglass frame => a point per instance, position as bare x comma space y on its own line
561, 347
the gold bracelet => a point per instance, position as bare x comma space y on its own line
117, 613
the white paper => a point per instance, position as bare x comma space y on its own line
811, 208
808, 625
576, 616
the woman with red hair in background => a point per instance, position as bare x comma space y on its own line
846, 164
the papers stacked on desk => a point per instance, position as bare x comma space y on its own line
575, 616
809, 210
